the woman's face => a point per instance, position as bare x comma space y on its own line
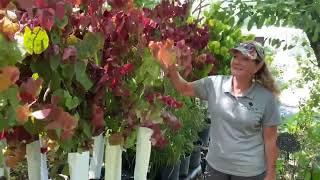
244, 67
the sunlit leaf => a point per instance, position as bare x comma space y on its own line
41, 114
8, 28
36, 40
23, 113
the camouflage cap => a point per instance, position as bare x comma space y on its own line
253, 50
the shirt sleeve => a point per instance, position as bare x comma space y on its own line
202, 87
271, 115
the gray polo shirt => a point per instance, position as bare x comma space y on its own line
236, 145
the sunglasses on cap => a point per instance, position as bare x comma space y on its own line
253, 50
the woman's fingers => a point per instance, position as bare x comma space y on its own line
164, 53
155, 46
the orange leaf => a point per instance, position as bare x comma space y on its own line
8, 28
5, 82
12, 72
59, 119
166, 54
22, 113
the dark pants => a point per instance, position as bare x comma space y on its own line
217, 175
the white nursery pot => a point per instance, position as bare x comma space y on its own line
97, 157
79, 165
4, 170
37, 162
2, 146
113, 162
143, 151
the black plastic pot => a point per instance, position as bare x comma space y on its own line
204, 134
195, 157
184, 166
171, 172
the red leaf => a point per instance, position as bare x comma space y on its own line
84, 20
94, 6
126, 69
26, 97
4, 3
76, 2
3, 134
172, 121
25, 4
158, 138
97, 119
30, 89
67, 134
41, 114
46, 17
60, 11
61, 119
69, 52
44, 150
19, 134
55, 100
41, 3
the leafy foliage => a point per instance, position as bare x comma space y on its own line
88, 70
224, 34
299, 14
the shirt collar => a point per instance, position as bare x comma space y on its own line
227, 88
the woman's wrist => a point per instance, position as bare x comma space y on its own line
171, 70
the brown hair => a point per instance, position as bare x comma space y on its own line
265, 78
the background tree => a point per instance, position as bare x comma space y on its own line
302, 14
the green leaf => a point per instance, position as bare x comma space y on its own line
55, 81
12, 95
35, 41
260, 22
72, 102
10, 54
42, 67
61, 23
316, 171
131, 140
55, 35
307, 175
3, 101
250, 23
146, 3
34, 127
11, 114
3, 122
68, 71
82, 76
149, 70
54, 61
58, 132
315, 36
231, 21
90, 45
87, 129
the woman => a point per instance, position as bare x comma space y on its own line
244, 113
